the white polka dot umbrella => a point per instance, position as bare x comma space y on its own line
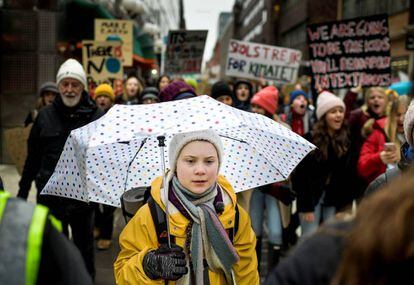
120, 150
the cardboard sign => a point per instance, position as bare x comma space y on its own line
345, 53
102, 62
118, 30
15, 142
185, 51
258, 61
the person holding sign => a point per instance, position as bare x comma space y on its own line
376, 101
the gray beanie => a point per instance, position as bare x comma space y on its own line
409, 124
72, 69
179, 141
48, 86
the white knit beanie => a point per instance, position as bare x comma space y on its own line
326, 101
409, 124
179, 141
71, 68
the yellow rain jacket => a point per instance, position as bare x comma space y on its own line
139, 237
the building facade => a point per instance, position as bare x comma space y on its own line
283, 23
38, 35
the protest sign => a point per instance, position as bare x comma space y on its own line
185, 51
258, 61
347, 53
102, 62
15, 142
120, 30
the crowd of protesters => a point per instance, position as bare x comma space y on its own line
357, 145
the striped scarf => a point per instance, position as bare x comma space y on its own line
209, 239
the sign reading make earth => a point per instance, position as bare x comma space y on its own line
258, 61
102, 62
185, 51
116, 30
351, 52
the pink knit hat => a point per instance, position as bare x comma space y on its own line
267, 99
409, 123
326, 101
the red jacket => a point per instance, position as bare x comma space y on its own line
370, 165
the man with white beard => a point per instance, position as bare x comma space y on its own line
71, 109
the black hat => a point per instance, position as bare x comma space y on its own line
150, 93
242, 81
220, 88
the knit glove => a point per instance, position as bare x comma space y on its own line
165, 263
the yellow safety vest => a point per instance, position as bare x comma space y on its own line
21, 235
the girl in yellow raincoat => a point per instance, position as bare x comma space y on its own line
202, 208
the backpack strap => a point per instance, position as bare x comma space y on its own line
233, 231
160, 221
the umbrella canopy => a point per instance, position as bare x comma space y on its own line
120, 150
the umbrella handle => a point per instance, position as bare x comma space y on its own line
161, 145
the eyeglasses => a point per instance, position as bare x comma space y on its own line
74, 84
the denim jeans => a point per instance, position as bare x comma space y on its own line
322, 214
259, 202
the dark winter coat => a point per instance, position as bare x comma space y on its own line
314, 261
334, 177
47, 139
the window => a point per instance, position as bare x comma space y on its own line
361, 8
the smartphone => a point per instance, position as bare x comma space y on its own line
389, 146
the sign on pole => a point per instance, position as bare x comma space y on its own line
102, 62
185, 51
116, 30
258, 61
347, 53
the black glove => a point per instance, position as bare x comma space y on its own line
165, 263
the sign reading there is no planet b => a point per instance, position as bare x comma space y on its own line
102, 62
